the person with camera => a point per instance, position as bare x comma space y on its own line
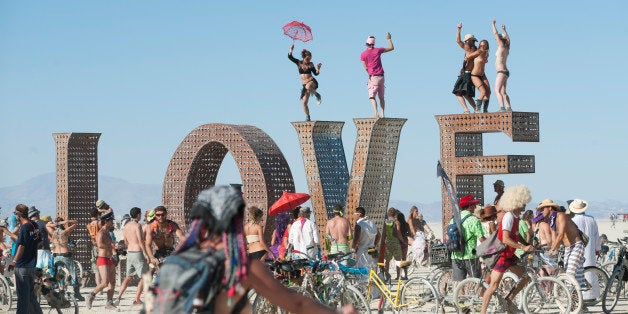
59, 232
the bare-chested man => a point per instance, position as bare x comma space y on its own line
463, 88
567, 233
59, 232
136, 254
162, 233
478, 75
339, 231
105, 262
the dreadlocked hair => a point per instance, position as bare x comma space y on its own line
197, 229
236, 257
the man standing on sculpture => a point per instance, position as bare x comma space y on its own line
371, 59
24, 262
338, 231
463, 88
136, 256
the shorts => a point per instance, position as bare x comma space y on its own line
105, 261
135, 264
44, 259
503, 263
393, 249
465, 268
69, 264
375, 86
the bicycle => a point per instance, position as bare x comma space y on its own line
6, 295
53, 289
541, 293
416, 295
616, 280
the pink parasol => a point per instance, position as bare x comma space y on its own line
298, 31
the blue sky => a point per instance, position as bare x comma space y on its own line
146, 73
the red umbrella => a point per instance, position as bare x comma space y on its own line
287, 202
298, 31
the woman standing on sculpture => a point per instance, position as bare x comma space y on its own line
503, 50
310, 84
478, 76
463, 88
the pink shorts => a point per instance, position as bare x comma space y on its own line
375, 86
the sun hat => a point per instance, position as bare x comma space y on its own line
100, 204
577, 206
370, 40
469, 37
468, 200
32, 211
547, 202
489, 211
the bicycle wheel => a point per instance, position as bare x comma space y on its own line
6, 295
576, 293
419, 296
597, 278
546, 294
350, 295
613, 288
444, 283
510, 281
468, 296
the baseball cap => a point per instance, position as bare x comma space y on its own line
370, 40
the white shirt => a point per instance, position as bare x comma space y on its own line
507, 221
303, 235
368, 232
588, 226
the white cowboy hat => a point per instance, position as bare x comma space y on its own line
577, 206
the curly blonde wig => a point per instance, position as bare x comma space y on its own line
515, 197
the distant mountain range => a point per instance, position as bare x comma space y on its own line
122, 195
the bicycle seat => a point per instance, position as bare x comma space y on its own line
404, 264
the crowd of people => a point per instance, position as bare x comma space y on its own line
40, 242
550, 227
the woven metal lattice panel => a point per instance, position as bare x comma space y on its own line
461, 149
373, 166
325, 166
195, 164
77, 184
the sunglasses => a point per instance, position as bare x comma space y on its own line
159, 215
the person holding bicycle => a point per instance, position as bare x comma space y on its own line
162, 233
513, 202
60, 231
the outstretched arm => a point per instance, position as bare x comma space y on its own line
293, 59
499, 42
505, 33
458, 40
391, 47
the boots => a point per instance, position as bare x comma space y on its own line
478, 106
486, 105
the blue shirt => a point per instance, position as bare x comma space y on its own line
29, 238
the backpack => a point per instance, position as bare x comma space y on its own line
455, 243
188, 278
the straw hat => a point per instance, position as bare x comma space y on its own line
469, 37
547, 202
577, 206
